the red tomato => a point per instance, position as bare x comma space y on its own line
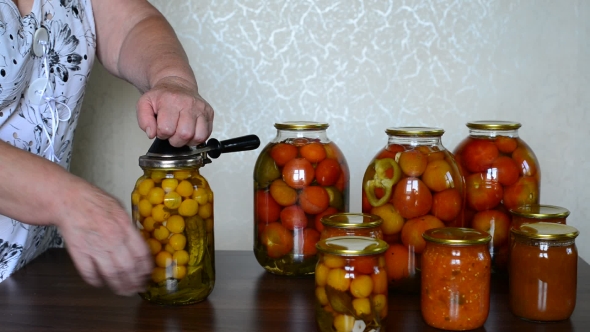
524, 192
293, 217
446, 204
298, 173
526, 160
495, 223
309, 239
364, 264
483, 193
327, 172
479, 154
414, 228
314, 199
282, 153
506, 144
504, 170
313, 152
318, 218
411, 198
277, 240
412, 162
267, 209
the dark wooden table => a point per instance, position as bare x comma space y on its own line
48, 295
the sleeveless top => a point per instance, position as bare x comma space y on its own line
45, 62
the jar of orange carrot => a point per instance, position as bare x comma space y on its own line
456, 270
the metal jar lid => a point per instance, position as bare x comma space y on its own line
456, 236
301, 125
352, 246
540, 211
415, 131
493, 125
352, 220
546, 231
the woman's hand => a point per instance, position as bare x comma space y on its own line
105, 246
173, 109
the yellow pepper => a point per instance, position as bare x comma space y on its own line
380, 180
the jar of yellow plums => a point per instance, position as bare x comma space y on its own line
172, 206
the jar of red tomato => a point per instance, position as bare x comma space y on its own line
351, 224
501, 173
299, 177
456, 269
413, 184
543, 271
536, 213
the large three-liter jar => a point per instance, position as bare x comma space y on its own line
501, 173
543, 271
299, 177
413, 184
172, 205
456, 270
351, 284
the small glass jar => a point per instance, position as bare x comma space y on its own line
351, 224
172, 205
501, 173
456, 270
413, 184
536, 213
543, 271
299, 177
351, 284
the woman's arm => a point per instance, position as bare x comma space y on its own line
136, 43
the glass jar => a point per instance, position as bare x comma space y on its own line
351, 284
172, 206
299, 177
358, 224
543, 271
456, 269
501, 173
413, 184
536, 213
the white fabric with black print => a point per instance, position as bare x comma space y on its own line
24, 123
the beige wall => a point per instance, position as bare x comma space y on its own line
363, 66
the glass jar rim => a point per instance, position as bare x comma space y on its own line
456, 236
545, 231
352, 246
493, 125
415, 131
339, 220
301, 125
540, 211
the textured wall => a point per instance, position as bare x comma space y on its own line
363, 66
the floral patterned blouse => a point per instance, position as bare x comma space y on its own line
45, 61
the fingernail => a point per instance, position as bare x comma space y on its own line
148, 131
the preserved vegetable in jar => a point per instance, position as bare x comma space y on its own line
351, 224
299, 177
536, 213
501, 173
543, 271
172, 206
413, 184
351, 284
456, 270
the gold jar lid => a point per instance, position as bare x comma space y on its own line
540, 211
493, 125
352, 246
352, 220
301, 125
546, 231
456, 236
415, 131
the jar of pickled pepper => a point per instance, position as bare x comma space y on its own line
172, 205
299, 177
536, 213
413, 184
501, 173
351, 284
351, 224
456, 270
543, 271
